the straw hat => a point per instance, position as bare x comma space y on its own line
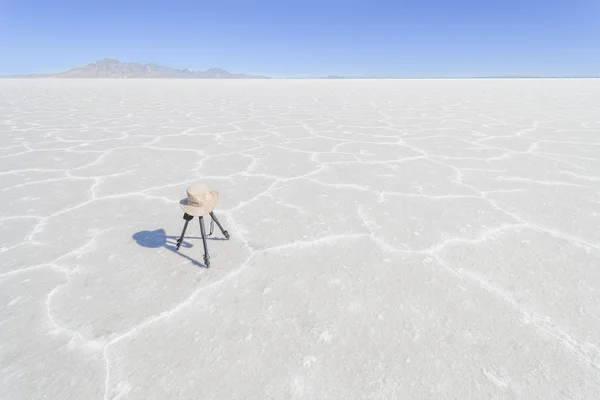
200, 200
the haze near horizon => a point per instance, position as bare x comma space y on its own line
309, 39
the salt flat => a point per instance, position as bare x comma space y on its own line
408, 239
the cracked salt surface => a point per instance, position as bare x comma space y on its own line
390, 239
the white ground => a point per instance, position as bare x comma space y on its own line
423, 239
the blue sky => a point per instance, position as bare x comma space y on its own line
308, 38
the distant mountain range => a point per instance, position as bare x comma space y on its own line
109, 68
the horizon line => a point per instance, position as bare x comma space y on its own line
35, 76
330, 76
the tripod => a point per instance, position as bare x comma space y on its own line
214, 219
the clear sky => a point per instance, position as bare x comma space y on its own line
309, 38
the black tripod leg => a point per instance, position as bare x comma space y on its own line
212, 228
206, 256
214, 217
180, 240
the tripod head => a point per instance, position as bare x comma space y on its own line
187, 217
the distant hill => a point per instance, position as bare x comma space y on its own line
113, 69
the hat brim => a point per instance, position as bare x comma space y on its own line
203, 210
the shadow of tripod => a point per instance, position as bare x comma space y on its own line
158, 238
214, 220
